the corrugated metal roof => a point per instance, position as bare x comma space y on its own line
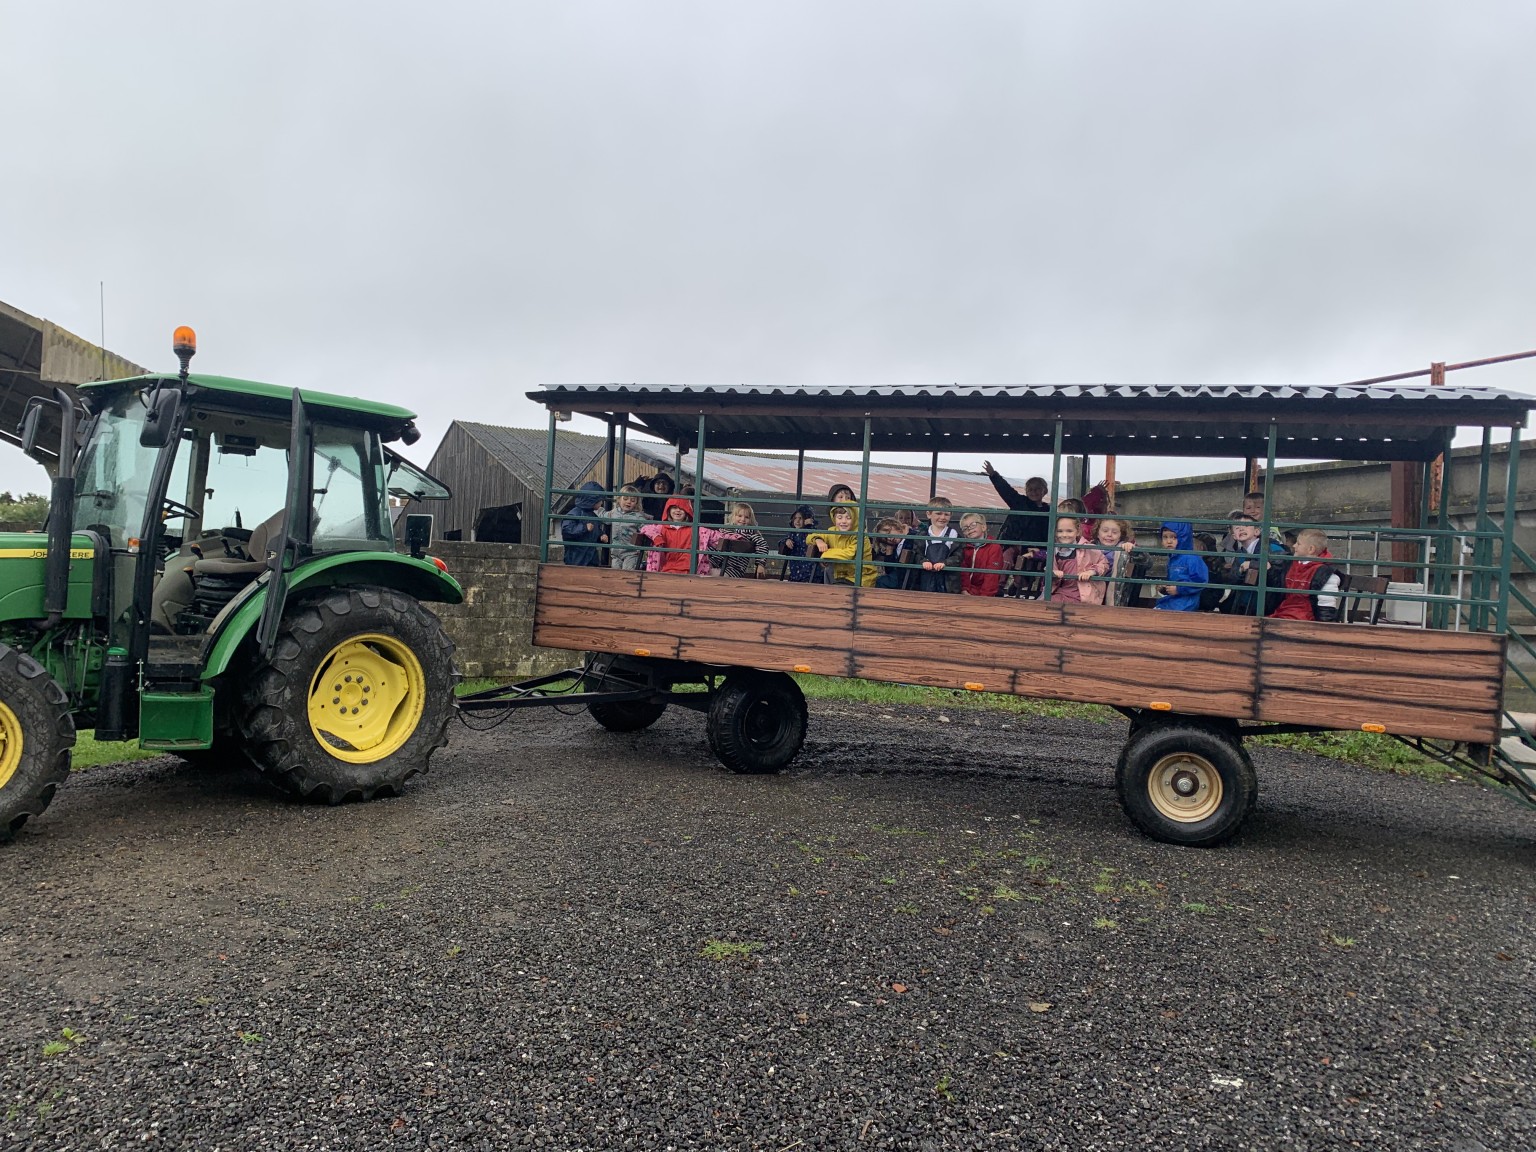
1033, 392
522, 450
1403, 422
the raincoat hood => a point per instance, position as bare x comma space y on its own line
677, 502
587, 498
1182, 530
806, 512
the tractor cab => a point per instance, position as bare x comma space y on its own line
201, 521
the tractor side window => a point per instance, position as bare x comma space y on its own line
349, 501
247, 477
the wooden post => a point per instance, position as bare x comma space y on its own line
1109, 482
1406, 496
1436, 379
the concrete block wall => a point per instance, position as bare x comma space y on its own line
493, 629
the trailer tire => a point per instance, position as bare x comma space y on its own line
757, 721
36, 735
627, 715
1184, 782
338, 653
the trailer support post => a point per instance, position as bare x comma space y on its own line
1507, 551
698, 498
1260, 597
858, 552
1482, 552
547, 520
1050, 523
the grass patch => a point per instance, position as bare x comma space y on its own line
1368, 749
874, 692
92, 753
730, 949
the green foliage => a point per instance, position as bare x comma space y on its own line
23, 514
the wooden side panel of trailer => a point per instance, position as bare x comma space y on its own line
1413, 682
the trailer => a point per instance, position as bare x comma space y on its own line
1194, 686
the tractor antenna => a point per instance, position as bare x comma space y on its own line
102, 285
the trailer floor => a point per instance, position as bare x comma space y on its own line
937, 931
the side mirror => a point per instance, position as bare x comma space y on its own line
31, 423
160, 418
418, 533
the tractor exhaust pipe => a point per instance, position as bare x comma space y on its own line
61, 508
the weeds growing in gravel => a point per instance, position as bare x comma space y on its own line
730, 949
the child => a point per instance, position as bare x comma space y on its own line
937, 549
672, 539
746, 559
1216, 573
1117, 540
1074, 566
582, 531
1027, 530
1186, 571
800, 571
661, 488
893, 553
840, 546
981, 558
1308, 571
624, 522
1245, 569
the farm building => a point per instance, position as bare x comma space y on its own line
497, 478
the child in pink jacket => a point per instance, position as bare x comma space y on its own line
1074, 566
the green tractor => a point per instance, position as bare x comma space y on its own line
219, 579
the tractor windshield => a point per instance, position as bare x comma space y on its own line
116, 472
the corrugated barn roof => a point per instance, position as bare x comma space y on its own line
1409, 422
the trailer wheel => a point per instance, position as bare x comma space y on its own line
627, 715
36, 735
757, 721
356, 698
1186, 783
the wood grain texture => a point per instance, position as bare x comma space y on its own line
1447, 685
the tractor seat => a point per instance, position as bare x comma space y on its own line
193, 590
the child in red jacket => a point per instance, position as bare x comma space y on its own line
982, 558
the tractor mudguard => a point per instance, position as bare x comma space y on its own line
420, 579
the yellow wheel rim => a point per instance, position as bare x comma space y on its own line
1185, 787
10, 744
366, 698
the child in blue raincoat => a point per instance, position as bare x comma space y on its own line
581, 531
1186, 571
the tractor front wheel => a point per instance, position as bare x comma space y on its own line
356, 698
36, 735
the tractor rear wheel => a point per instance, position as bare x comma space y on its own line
36, 735
356, 698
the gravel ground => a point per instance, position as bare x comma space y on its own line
938, 931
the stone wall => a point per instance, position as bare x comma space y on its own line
492, 629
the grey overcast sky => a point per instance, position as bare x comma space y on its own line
445, 205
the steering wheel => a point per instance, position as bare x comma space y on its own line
176, 508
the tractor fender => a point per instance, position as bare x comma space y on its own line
420, 579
